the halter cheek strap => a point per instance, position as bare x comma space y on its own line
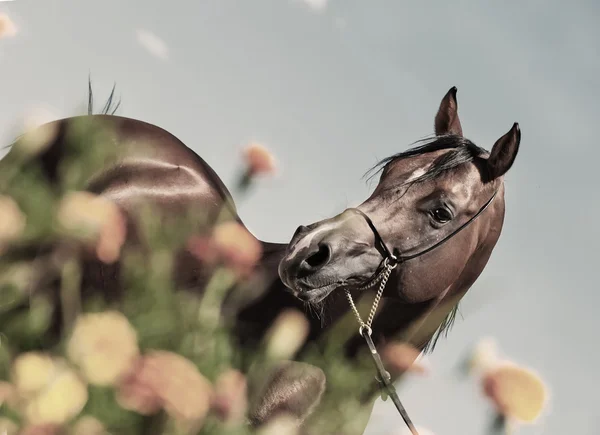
391, 259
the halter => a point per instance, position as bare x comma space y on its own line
391, 259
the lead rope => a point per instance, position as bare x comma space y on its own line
365, 331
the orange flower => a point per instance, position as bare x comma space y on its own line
401, 357
230, 400
98, 218
171, 379
516, 392
231, 244
7, 27
259, 160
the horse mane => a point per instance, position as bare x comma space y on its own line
462, 151
109, 108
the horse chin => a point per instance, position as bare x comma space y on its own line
317, 294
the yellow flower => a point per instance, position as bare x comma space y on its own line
98, 218
12, 221
287, 334
104, 346
49, 391
7, 27
259, 160
516, 392
32, 371
42, 429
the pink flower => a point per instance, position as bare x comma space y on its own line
230, 399
401, 357
259, 160
231, 244
7, 27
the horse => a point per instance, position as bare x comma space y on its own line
424, 236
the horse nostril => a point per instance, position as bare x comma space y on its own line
317, 259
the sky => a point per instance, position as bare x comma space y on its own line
331, 87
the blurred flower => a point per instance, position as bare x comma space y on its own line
104, 346
99, 218
31, 372
259, 160
231, 244
516, 392
287, 334
155, 46
40, 131
8, 427
484, 355
88, 425
49, 390
12, 220
8, 395
280, 425
182, 391
7, 27
137, 393
401, 357
230, 400
42, 429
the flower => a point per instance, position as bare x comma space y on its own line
88, 425
7, 27
287, 334
230, 399
8, 395
516, 392
484, 355
401, 357
104, 345
230, 243
42, 429
8, 427
283, 424
98, 218
259, 160
50, 392
12, 221
170, 379
135, 393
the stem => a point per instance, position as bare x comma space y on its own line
70, 292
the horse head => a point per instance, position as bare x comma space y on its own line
437, 212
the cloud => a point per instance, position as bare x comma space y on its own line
155, 45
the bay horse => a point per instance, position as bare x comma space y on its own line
423, 236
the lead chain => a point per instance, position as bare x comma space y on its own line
383, 277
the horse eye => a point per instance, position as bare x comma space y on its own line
442, 215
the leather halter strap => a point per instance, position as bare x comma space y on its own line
395, 256
391, 258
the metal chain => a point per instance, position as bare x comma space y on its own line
383, 277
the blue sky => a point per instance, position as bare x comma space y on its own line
331, 87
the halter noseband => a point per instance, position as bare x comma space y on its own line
391, 259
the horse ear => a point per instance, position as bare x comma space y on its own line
504, 152
446, 120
